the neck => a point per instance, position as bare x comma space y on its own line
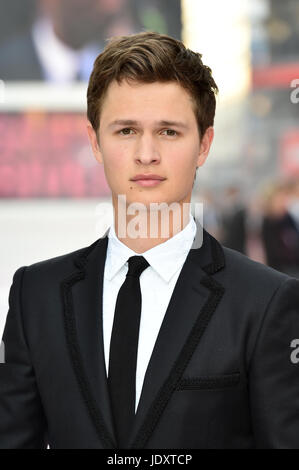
149, 228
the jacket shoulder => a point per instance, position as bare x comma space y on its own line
59, 265
243, 270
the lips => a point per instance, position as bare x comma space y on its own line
148, 177
149, 182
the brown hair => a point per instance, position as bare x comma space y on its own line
148, 57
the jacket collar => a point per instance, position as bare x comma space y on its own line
194, 300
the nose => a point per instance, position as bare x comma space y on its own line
146, 150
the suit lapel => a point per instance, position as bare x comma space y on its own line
195, 298
82, 297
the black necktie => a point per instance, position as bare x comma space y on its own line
123, 349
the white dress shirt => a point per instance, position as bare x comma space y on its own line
157, 283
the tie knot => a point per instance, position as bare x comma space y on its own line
137, 264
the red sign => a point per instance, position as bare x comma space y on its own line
48, 155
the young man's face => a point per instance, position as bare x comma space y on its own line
158, 134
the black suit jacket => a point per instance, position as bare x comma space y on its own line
223, 373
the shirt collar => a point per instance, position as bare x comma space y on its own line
165, 258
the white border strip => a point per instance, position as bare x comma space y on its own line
23, 96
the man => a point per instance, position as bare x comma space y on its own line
151, 341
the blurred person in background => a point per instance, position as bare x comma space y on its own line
211, 213
233, 219
64, 39
293, 203
280, 231
241, 223
254, 220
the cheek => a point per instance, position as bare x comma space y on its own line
114, 157
182, 161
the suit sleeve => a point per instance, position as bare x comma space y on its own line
274, 372
22, 420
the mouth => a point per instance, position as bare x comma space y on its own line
148, 180
148, 183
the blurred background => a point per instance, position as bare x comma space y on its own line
53, 195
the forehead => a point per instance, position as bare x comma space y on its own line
145, 98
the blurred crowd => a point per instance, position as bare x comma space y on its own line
264, 227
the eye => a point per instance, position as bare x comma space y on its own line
172, 132
125, 131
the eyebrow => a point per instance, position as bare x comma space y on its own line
130, 122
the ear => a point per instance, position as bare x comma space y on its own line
94, 143
205, 146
